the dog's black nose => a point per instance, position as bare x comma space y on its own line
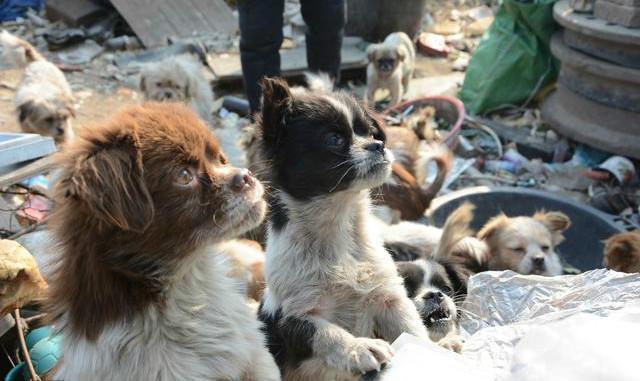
168, 95
538, 261
436, 296
241, 180
374, 146
59, 130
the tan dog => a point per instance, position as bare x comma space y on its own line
43, 101
622, 252
246, 258
525, 244
142, 292
178, 79
391, 65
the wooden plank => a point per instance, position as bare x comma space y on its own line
154, 21
226, 67
75, 12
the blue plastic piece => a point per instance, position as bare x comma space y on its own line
36, 335
44, 355
17, 373
12, 9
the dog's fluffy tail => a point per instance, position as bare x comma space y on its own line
442, 156
17, 51
455, 229
319, 82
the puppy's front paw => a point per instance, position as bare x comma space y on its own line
452, 343
364, 355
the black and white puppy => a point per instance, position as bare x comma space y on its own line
437, 282
334, 298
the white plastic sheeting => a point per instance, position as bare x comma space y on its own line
524, 328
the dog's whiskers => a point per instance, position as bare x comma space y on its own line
341, 178
341, 164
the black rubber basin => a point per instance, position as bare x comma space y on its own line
583, 245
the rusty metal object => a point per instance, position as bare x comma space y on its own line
625, 15
598, 80
611, 129
598, 38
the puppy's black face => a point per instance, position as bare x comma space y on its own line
320, 144
434, 287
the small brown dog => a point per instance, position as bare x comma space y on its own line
525, 244
391, 65
141, 289
622, 252
406, 192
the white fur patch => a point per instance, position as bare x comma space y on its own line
205, 331
340, 107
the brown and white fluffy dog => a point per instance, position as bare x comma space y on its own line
334, 299
622, 252
406, 192
390, 67
178, 79
525, 244
43, 101
140, 292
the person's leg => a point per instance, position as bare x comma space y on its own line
325, 21
260, 40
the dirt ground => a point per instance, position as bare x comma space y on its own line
97, 97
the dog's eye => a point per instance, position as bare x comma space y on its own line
49, 119
446, 289
184, 177
519, 250
159, 84
334, 139
545, 248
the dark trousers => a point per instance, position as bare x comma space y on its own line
261, 37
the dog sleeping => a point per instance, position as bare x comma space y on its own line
43, 101
178, 79
334, 299
525, 244
140, 291
390, 67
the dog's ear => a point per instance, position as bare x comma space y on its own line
493, 225
372, 51
401, 53
108, 178
191, 87
277, 103
26, 109
554, 221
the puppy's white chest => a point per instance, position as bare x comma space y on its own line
204, 331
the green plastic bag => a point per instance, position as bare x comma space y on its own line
513, 60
